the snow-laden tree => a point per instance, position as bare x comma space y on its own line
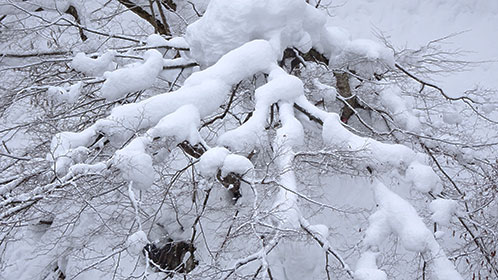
241, 140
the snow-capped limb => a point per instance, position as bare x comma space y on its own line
281, 86
396, 215
63, 145
180, 126
382, 157
158, 41
94, 66
69, 95
295, 24
206, 90
133, 78
288, 136
133, 160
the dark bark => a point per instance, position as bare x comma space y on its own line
344, 90
161, 28
73, 12
171, 255
169, 4
342, 84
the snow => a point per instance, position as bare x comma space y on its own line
423, 178
60, 94
396, 215
227, 25
326, 92
291, 133
17, 7
400, 217
398, 107
63, 145
206, 90
156, 40
366, 57
335, 134
443, 210
136, 243
280, 87
236, 164
250, 58
181, 124
178, 42
224, 35
94, 67
366, 268
407, 24
132, 78
381, 155
219, 158
212, 160
83, 168
135, 164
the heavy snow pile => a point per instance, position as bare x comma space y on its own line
227, 25
93, 66
133, 78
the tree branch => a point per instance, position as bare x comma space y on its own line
161, 28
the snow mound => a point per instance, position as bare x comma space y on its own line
136, 242
423, 178
212, 160
236, 164
133, 78
443, 210
93, 67
135, 164
219, 158
366, 268
228, 24
156, 40
63, 146
181, 124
